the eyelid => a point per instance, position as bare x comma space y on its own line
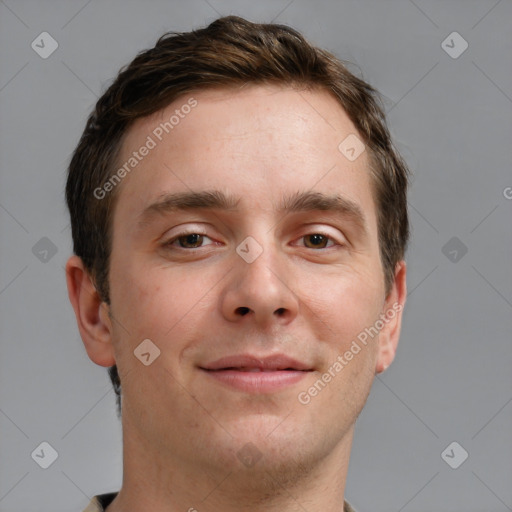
185, 232
188, 228
320, 229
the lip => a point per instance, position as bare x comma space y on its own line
254, 374
265, 363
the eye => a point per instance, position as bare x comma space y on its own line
187, 241
317, 240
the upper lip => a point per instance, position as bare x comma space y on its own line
272, 362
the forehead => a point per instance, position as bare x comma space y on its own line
256, 143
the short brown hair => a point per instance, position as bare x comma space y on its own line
230, 52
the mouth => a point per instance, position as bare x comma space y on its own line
252, 374
253, 363
255, 369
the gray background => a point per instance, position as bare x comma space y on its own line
451, 119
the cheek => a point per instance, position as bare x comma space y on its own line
155, 302
343, 312
345, 304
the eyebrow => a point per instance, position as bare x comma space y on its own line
171, 202
312, 201
218, 200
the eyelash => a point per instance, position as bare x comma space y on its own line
169, 243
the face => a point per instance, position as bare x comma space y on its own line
281, 258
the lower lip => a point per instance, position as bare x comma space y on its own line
257, 382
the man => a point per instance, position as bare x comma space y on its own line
239, 223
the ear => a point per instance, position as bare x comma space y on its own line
391, 315
92, 315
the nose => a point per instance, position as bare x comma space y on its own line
260, 292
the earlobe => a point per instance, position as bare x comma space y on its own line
392, 319
91, 313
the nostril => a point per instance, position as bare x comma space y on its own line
243, 310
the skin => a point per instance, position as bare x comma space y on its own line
181, 429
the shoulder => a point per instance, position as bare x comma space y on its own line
100, 502
347, 507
